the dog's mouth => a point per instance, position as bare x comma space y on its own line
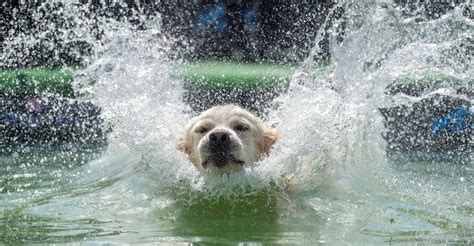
221, 160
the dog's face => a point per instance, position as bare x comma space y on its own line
224, 139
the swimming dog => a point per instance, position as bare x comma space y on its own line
225, 139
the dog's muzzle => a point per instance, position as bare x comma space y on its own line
220, 145
219, 142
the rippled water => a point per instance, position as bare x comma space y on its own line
344, 188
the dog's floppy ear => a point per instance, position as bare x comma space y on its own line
269, 138
182, 144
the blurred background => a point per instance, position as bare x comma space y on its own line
276, 30
262, 30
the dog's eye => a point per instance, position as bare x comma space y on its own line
202, 130
241, 128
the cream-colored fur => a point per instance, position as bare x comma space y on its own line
249, 139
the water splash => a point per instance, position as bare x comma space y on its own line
331, 145
328, 117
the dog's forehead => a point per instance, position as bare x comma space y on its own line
222, 114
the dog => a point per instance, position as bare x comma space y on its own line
226, 139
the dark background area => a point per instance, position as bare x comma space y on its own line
271, 30
252, 31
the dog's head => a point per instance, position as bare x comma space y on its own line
226, 138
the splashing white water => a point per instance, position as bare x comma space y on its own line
326, 122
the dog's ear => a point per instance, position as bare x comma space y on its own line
182, 144
269, 138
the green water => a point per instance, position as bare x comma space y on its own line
58, 194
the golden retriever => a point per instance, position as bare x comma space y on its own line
225, 139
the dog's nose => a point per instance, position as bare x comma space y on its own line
219, 136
